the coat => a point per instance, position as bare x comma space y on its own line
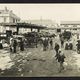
56, 47
61, 58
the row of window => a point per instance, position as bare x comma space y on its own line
14, 20
71, 25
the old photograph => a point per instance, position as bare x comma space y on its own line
39, 40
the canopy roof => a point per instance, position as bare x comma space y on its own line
23, 25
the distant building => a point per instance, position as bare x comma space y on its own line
73, 26
70, 24
43, 22
7, 16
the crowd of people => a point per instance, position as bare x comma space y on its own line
60, 57
47, 43
65, 44
14, 44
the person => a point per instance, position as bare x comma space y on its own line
56, 47
61, 60
60, 35
78, 47
14, 45
1, 46
25, 42
22, 45
77, 36
45, 44
11, 44
51, 43
36, 41
62, 42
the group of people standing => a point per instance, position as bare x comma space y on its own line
46, 42
14, 44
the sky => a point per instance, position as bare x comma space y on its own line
55, 12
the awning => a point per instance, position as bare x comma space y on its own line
23, 25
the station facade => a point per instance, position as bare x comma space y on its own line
7, 17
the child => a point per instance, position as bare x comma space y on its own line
61, 58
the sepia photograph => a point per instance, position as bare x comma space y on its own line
39, 40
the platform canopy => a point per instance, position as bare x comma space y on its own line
8, 24
23, 25
29, 25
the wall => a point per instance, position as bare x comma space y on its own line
7, 17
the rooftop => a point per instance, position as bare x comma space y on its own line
70, 22
6, 11
23, 25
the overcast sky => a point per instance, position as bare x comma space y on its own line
57, 12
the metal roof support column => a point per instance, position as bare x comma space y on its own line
17, 29
31, 29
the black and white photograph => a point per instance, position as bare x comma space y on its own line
39, 40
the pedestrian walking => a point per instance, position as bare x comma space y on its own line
45, 44
56, 47
62, 43
62, 40
61, 60
25, 42
11, 44
14, 46
1, 46
22, 45
78, 47
51, 43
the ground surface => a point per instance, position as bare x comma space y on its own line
34, 62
